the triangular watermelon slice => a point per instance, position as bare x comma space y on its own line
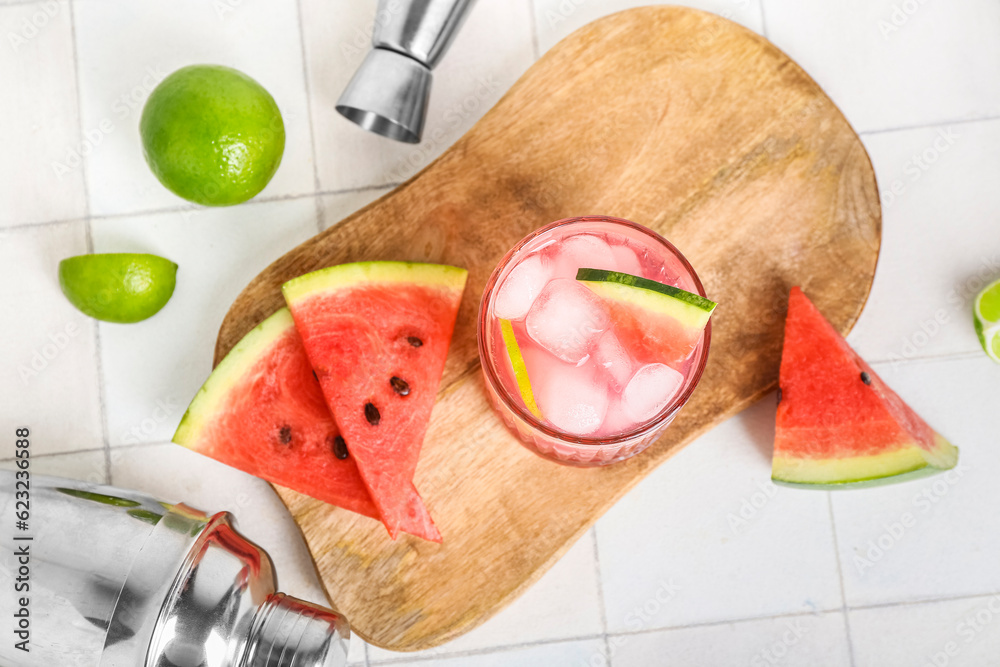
262, 411
377, 334
653, 320
838, 423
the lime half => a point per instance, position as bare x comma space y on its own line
118, 287
986, 311
520, 370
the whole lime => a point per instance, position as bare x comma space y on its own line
212, 135
118, 287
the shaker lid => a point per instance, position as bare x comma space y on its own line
293, 633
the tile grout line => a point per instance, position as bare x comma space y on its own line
252, 202
47, 455
502, 648
731, 621
928, 126
312, 133
536, 49
944, 356
91, 450
308, 89
71, 5
89, 228
763, 20
26, 226
20, 3
602, 609
840, 575
560, 640
102, 402
913, 603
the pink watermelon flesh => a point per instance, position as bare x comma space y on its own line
378, 343
832, 415
274, 423
655, 322
651, 336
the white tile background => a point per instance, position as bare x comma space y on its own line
704, 563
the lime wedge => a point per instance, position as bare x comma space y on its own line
118, 287
986, 311
520, 370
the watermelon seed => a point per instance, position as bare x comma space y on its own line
372, 414
414, 341
340, 448
315, 376
401, 386
865, 378
285, 435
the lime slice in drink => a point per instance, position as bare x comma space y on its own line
986, 314
118, 287
520, 370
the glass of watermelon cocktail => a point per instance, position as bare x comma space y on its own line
581, 376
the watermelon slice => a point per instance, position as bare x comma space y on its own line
838, 423
377, 334
653, 320
262, 411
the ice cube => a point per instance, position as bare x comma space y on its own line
521, 287
572, 398
610, 356
626, 261
649, 391
616, 421
567, 319
582, 251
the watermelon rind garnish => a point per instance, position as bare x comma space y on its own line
655, 322
377, 336
692, 310
838, 424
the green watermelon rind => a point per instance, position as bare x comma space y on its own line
866, 483
346, 276
943, 457
691, 310
227, 375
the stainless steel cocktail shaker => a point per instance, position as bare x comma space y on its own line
109, 578
389, 92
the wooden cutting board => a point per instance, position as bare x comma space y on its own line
673, 118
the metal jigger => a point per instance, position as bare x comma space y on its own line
389, 92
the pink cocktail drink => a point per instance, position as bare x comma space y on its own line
578, 386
